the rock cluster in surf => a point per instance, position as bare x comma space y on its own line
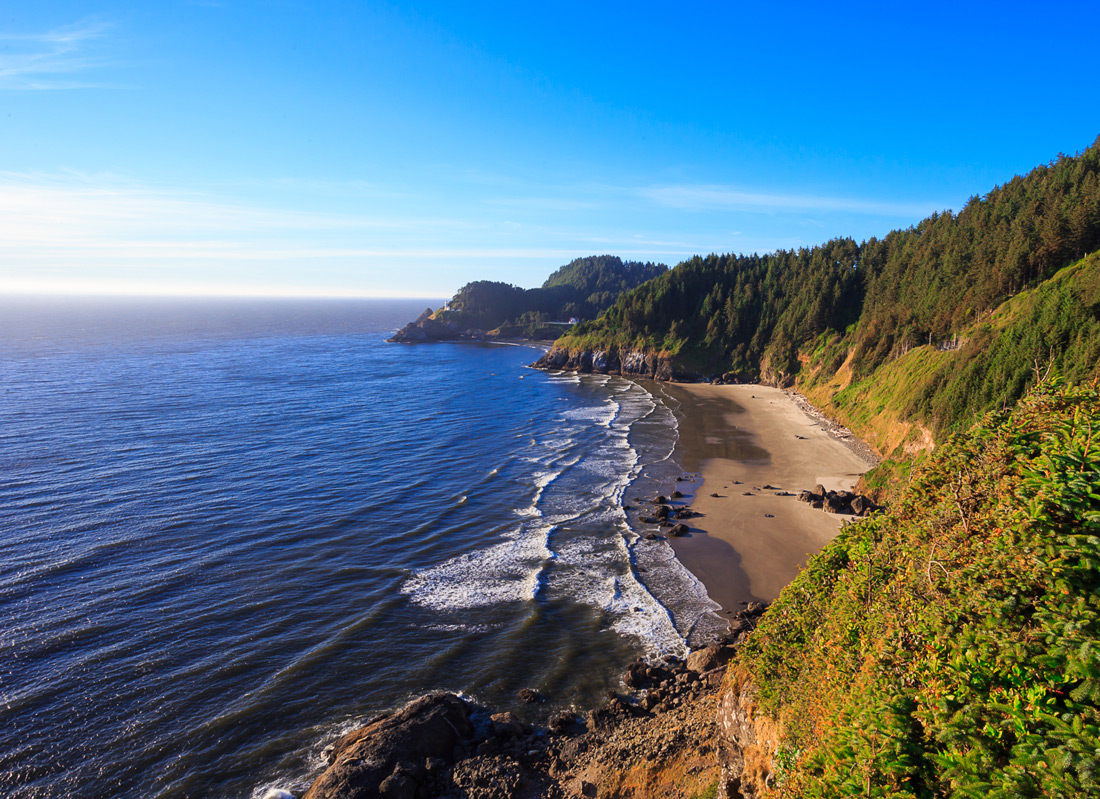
443, 746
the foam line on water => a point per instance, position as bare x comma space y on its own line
504, 572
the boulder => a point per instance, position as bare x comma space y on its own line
862, 506
529, 696
368, 758
635, 674
556, 358
506, 725
712, 657
819, 490
679, 530
560, 722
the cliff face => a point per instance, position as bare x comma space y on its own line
747, 741
628, 363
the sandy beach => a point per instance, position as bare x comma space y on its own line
750, 542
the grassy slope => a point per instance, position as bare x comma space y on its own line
950, 646
925, 394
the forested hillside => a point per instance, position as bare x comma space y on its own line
582, 289
829, 319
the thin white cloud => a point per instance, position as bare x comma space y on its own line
79, 223
717, 197
88, 209
101, 233
48, 61
693, 198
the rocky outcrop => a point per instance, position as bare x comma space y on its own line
628, 363
747, 742
658, 736
392, 756
425, 328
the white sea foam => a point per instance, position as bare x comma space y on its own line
505, 572
572, 542
603, 415
464, 628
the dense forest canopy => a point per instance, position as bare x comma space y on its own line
765, 315
581, 289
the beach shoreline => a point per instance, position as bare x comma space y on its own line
750, 445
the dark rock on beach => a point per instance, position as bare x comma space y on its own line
488, 777
506, 725
838, 501
710, 658
628, 363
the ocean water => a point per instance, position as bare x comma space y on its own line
231, 531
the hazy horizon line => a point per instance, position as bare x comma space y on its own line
9, 294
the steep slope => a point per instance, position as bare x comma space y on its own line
988, 364
951, 646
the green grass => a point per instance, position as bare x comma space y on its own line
951, 646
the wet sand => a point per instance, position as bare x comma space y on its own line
749, 542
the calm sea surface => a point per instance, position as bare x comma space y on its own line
230, 531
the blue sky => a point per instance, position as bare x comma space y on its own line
372, 149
